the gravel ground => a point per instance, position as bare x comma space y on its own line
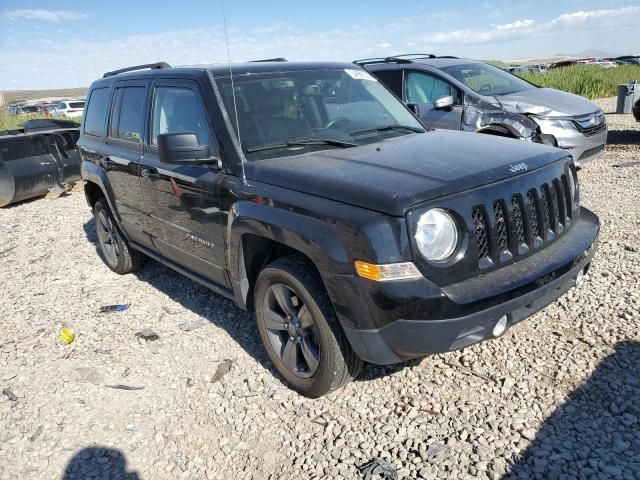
557, 397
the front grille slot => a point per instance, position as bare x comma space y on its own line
567, 196
518, 220
501, 227
534, 221
481, 232
546, 210
561, 202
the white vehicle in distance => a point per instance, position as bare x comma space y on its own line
71, 108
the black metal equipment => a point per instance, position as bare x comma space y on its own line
33, 164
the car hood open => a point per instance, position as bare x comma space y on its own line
547, 102
391, 176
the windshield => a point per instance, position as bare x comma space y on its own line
288, 113
488, 80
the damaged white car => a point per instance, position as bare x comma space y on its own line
460, 94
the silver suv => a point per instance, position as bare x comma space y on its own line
460, 94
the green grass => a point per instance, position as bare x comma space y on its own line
590, 81
11, 122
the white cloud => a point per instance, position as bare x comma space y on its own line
525, 28
43, 15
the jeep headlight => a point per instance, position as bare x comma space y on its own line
436, 235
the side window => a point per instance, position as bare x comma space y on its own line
177, 110
126, 120
94, 120
425, 88
392, 80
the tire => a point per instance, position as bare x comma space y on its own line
313, 329
114, 250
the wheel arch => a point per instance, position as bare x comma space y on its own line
258, 235
498, 130
96, 185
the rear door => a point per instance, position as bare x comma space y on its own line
122, 152
422, 88
182, 200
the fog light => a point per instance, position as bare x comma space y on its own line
500, 326
579, 277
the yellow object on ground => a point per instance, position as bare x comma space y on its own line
67, 335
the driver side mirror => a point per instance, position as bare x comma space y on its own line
184, 149
444, 103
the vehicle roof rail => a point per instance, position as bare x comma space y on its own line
368, 61
277, 59
150, 66
414, 55
447, 56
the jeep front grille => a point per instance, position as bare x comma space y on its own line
522, 222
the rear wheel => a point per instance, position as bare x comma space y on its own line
299, 329
115, 251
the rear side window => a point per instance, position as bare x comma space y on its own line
177, 110
126, 122
392, 80
76, 104
94, 120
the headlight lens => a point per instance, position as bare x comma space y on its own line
555, 123
436, 235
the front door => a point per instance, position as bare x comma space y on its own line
122, 151
423, 89
182, 200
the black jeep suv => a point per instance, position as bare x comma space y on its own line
310, 195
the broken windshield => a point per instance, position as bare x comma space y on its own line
488, 80
323, 107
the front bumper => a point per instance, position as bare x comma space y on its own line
583, 148
413, 319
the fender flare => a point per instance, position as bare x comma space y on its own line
91, 173
309, 236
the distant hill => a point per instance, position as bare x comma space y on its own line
590, 53
13, 96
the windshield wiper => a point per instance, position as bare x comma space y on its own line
385, 128
303, 143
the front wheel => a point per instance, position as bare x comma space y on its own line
299, 329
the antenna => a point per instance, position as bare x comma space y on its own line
233, 90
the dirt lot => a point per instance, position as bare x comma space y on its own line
557, 397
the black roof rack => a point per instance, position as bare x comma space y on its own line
404, 58
278, 59
150, 66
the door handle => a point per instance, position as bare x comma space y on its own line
151, 173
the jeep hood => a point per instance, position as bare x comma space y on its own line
392, 175
547, 102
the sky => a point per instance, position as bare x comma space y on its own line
46, 44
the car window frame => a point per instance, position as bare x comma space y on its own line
107, 114
405, 77
188, 84
128, 144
